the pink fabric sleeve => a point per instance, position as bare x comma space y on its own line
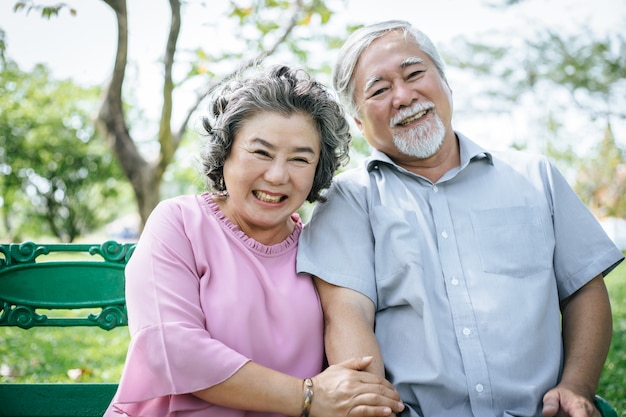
171, 351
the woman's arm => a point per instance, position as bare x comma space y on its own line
341, 390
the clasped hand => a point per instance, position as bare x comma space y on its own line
346, 389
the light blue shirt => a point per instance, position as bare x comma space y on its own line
466, 274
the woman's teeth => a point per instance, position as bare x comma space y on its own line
267, 198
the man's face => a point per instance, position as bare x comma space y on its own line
405, 106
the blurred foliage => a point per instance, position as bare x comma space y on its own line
601, 178
57, 177
592, 71
46, 11
561, 77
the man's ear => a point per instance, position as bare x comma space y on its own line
358, 124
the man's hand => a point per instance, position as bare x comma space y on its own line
563, 402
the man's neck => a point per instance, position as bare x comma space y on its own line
435, 167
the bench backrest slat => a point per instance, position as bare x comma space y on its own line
29, 282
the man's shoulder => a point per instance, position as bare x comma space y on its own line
357, 176
515, 157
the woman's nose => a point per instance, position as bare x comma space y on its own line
277, 173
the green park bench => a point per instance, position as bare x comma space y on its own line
32, 280
28, 284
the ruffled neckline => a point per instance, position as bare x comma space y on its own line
251, 243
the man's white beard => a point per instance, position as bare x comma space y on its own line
423, 141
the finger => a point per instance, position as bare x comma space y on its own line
550, 404
358, 364
370, 411
370, 378
376, 410
376, 398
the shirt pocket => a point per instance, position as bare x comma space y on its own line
512, 240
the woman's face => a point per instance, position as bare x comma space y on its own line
269, 173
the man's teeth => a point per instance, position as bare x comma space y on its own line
267, 198
412, 118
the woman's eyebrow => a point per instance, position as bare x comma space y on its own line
263, 142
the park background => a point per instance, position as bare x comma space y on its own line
547, 76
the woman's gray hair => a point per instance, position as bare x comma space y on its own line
358, 41
284, 90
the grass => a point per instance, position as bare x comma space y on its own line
44, 354
94, 355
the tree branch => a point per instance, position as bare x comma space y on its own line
111, 117
293, 22
168, 142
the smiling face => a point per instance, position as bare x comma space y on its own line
269, 173
404, 104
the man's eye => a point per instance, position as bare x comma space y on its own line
415, 74
379, 91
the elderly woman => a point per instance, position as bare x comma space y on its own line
221, 323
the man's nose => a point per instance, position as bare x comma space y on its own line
403, 95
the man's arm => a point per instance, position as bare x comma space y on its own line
587, 331
349, 326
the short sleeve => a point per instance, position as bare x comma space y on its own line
337, 244
583, 249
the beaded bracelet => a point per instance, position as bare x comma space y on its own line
308, 398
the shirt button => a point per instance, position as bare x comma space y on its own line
444, 234
467, 331
479, 388
454, 281
435, 188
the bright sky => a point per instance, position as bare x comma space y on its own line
83, 47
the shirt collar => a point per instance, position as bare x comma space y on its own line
469, 152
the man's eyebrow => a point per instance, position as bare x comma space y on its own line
412, 60
373, 80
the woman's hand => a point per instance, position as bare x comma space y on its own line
346, 390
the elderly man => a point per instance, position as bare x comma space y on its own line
479, 275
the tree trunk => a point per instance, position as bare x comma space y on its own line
146, 176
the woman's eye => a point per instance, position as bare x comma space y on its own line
261, 153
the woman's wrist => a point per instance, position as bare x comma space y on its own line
308, 397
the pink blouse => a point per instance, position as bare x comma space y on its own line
203, 299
